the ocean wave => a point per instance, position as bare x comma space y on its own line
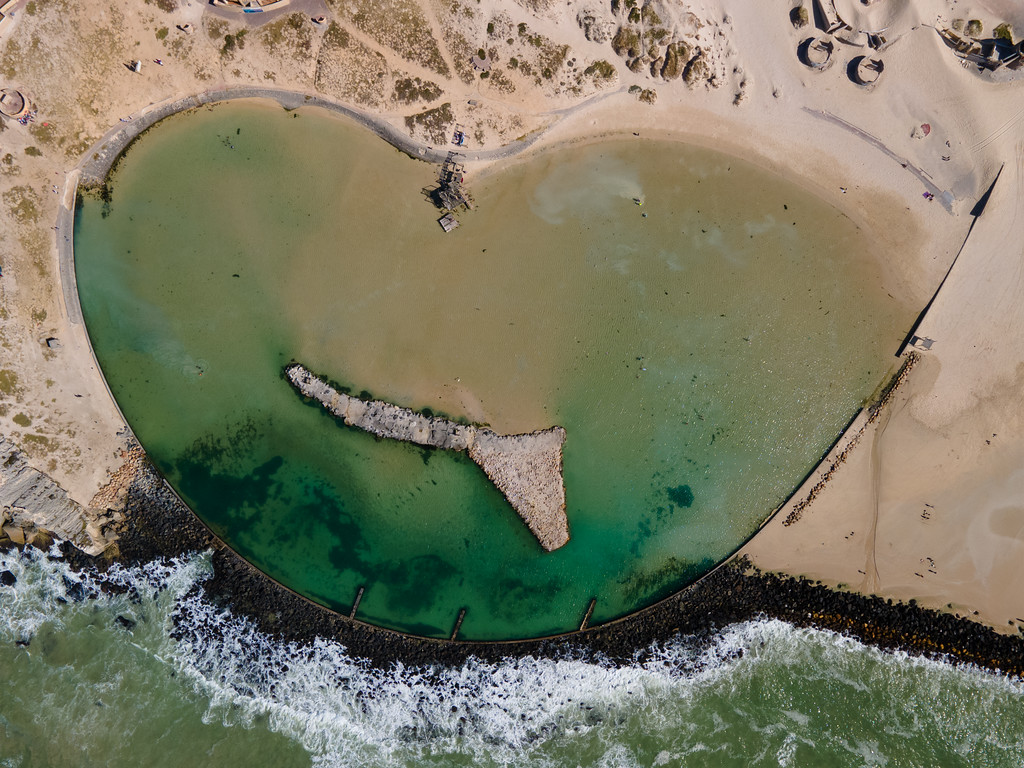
761, 692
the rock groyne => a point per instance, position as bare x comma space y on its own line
526, 468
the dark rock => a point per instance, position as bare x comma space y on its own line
8, 579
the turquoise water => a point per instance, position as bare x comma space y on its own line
86, 690
701, 357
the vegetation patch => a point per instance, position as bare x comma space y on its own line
396, 24
1004, 32
601, 71
7, 165
22, 420
696, 70
676, 56
292, 33
9, 383
974, 28
233, 42
626, 42
36, 441
409, 90
22, 203
45, 133
348, 69
161, 33
433, 123
216, 28
33, 151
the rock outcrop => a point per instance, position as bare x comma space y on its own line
34, 509
526, 468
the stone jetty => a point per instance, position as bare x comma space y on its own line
526, 468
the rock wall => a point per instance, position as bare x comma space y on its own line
527, 468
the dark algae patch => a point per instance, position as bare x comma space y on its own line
680, 495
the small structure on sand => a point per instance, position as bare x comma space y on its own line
12, 103
817, 53
830, 20
868, 71
448, 222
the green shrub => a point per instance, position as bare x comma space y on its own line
1004, 32
600, 70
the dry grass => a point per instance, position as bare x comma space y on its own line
399, 25
433, 124
349, 70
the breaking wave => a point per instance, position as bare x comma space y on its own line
761, 693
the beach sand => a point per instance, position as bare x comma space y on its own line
950, 442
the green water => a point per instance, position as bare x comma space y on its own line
701, 358
86, 689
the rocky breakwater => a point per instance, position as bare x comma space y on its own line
526, 468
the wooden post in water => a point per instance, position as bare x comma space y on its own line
588, 614
458, 624
355, 605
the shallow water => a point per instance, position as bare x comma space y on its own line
701, 357
88, 690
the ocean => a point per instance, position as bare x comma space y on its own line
91, 678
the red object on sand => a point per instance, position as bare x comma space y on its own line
926, 128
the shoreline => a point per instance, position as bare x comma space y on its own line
106, 153
937, 446
112, 147
158, 525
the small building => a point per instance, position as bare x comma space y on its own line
448, 222
12, 103
818, 52
868, 71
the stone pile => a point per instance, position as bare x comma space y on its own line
526, 468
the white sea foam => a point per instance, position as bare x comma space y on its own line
684, 701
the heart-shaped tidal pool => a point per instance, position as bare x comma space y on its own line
702, 350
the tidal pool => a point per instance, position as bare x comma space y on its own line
701, 357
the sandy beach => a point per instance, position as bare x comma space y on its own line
928, 504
